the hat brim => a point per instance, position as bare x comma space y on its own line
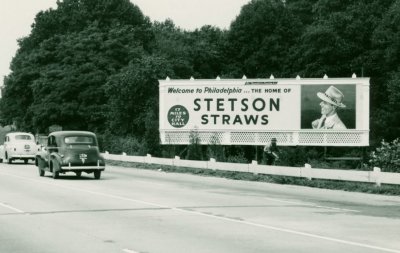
325, 98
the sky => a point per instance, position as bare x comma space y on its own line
17, 16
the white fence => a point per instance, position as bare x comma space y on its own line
374, 176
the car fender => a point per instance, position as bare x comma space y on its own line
41, 163
56, 159
41, 155
5, 150
2, 155
1, 151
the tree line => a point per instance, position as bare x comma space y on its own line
94, 64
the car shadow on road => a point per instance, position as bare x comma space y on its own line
21, 163
73, 177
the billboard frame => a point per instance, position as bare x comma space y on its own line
359, 136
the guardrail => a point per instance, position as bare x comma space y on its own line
375, 176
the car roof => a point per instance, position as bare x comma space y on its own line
18, 133
67, 133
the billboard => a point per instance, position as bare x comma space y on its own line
321, 112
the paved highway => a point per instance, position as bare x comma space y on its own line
139, 211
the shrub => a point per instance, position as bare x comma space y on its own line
292, 156
239, 158
215, 149
118, 144
194, 151
387, 156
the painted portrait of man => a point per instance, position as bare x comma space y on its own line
331, 101
328, 107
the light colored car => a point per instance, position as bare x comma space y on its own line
18, 146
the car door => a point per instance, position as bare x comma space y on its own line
51, 147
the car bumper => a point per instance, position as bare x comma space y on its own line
83, 168
16, 156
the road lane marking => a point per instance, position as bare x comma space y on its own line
244, 222
129, 251
290, 231
11, 208
311, 205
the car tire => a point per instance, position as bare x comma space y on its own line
39, 163
97, 174
78, 173
7, 159
26, 161
54, 168
56, 174
41, 172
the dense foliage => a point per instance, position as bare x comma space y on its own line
387, 156
94, 64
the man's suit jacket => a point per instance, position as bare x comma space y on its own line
334, 123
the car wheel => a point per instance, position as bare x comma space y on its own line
97, 174
26, 161
6, 158
39, 163
54, 168
56, 174
1, 160
41, 172
78, 173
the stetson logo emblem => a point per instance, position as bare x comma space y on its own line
83, 157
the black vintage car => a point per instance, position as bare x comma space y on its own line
70, 151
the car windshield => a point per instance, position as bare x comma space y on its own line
23, 137
87, 140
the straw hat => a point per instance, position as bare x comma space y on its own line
333, 96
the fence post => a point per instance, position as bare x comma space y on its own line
212, 161
124, 157
148, 158
176, 161
252, 167
106, 155
377, 176
307, 171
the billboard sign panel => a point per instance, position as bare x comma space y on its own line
329, 112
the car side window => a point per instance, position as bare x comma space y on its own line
51, 144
